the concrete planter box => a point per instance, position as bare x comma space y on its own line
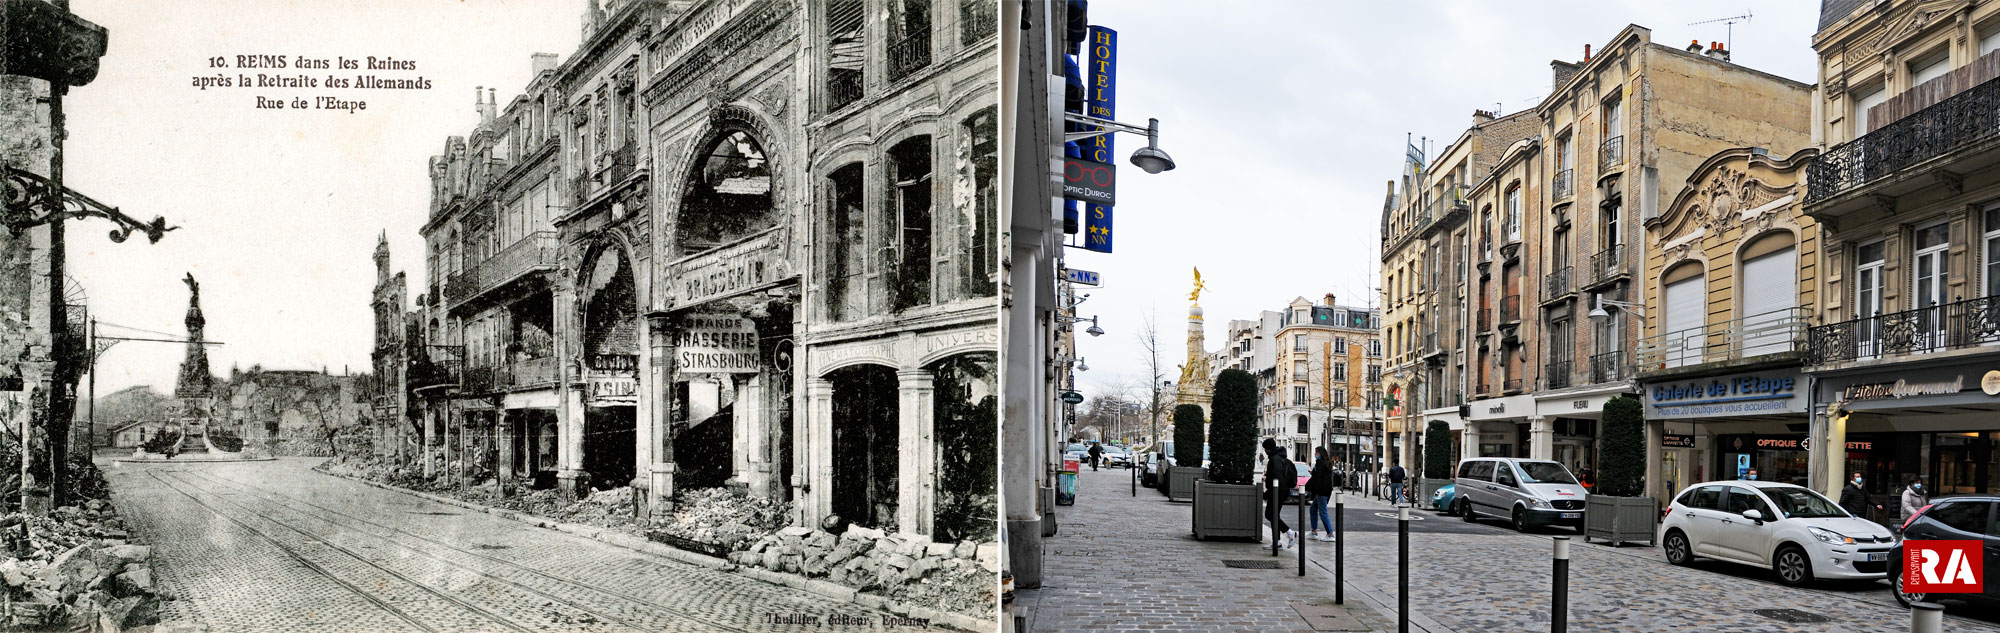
1227, 511
1180, 482
1428, 487
1620, 520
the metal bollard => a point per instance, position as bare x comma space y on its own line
1559, 595
1926, 617
1403, 569
1339, 550
1135, 479
1302, 539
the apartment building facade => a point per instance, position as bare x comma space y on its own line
1910, 209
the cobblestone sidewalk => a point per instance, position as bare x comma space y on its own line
1125, 563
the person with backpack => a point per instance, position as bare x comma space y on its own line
1320, 486
1279, 475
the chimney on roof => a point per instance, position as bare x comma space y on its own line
542, 62
479, 103
1562, 71
1329, 299
1482, 116
1717, 52
1694, 46
1586, 53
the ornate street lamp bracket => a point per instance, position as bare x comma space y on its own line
27, 206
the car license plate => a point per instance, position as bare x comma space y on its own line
1572, 515
1877, 556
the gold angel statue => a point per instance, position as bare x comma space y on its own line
1196, 295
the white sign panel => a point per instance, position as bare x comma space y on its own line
1084, 277
717, 344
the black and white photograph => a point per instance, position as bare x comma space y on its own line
577, 315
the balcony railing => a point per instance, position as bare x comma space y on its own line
1611, 155
1557, 283
1955, 325
1958, 121
1775, 332
528, 373
1564, 185
1607, 367
843, 86
1512, 384
1510, 309
909, 54
977, 19
1485, 318
1607, 264
1430, 343
536, 252
1557, 374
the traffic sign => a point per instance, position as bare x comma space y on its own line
1076, 276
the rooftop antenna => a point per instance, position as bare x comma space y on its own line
1729, 26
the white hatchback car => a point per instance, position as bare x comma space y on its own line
1786, 528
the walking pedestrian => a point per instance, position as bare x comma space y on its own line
1914, 498
1281, 476
1588, 479
1854, 498
1320, 486
1396, 476
1096, 454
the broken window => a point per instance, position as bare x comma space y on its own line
845, 52
912, 178
729, 195
909, 37
845, 245
981, 245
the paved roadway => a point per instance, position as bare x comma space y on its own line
1466, 577
275, 546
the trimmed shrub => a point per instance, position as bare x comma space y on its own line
1234, 430
162, 443
1437, 450
1190, 433
1622, 459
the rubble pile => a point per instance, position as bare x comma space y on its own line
604, 508
724, 519
908, 568
74, 570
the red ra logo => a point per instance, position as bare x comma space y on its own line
1942, 567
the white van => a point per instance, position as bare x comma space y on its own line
1526, 492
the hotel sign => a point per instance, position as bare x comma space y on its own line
751, 264
717, 343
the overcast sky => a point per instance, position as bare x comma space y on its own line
1286, 122
279, 210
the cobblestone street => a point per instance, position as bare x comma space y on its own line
1129, 563
275, 546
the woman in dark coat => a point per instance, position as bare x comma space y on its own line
1320, 486
1279, 475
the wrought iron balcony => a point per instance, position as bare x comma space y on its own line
1512, 385
1959, 121
1752, 336
977, 20
843, 86
1510, 309
1485, 319
1607, 265
1611, 155
1557, 283
1607, 367
1955, 325
528, 373
534, 253
1564, 185
909, 54
1557, 374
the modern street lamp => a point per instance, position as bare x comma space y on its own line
1600, 315
1150, 158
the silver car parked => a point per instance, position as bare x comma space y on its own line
1526, 492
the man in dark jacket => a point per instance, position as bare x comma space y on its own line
1396, 476
1096, 455
1319, 487
1854, 498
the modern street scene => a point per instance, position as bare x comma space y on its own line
688, 321
1618, 316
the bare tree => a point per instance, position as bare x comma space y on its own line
1149, 344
